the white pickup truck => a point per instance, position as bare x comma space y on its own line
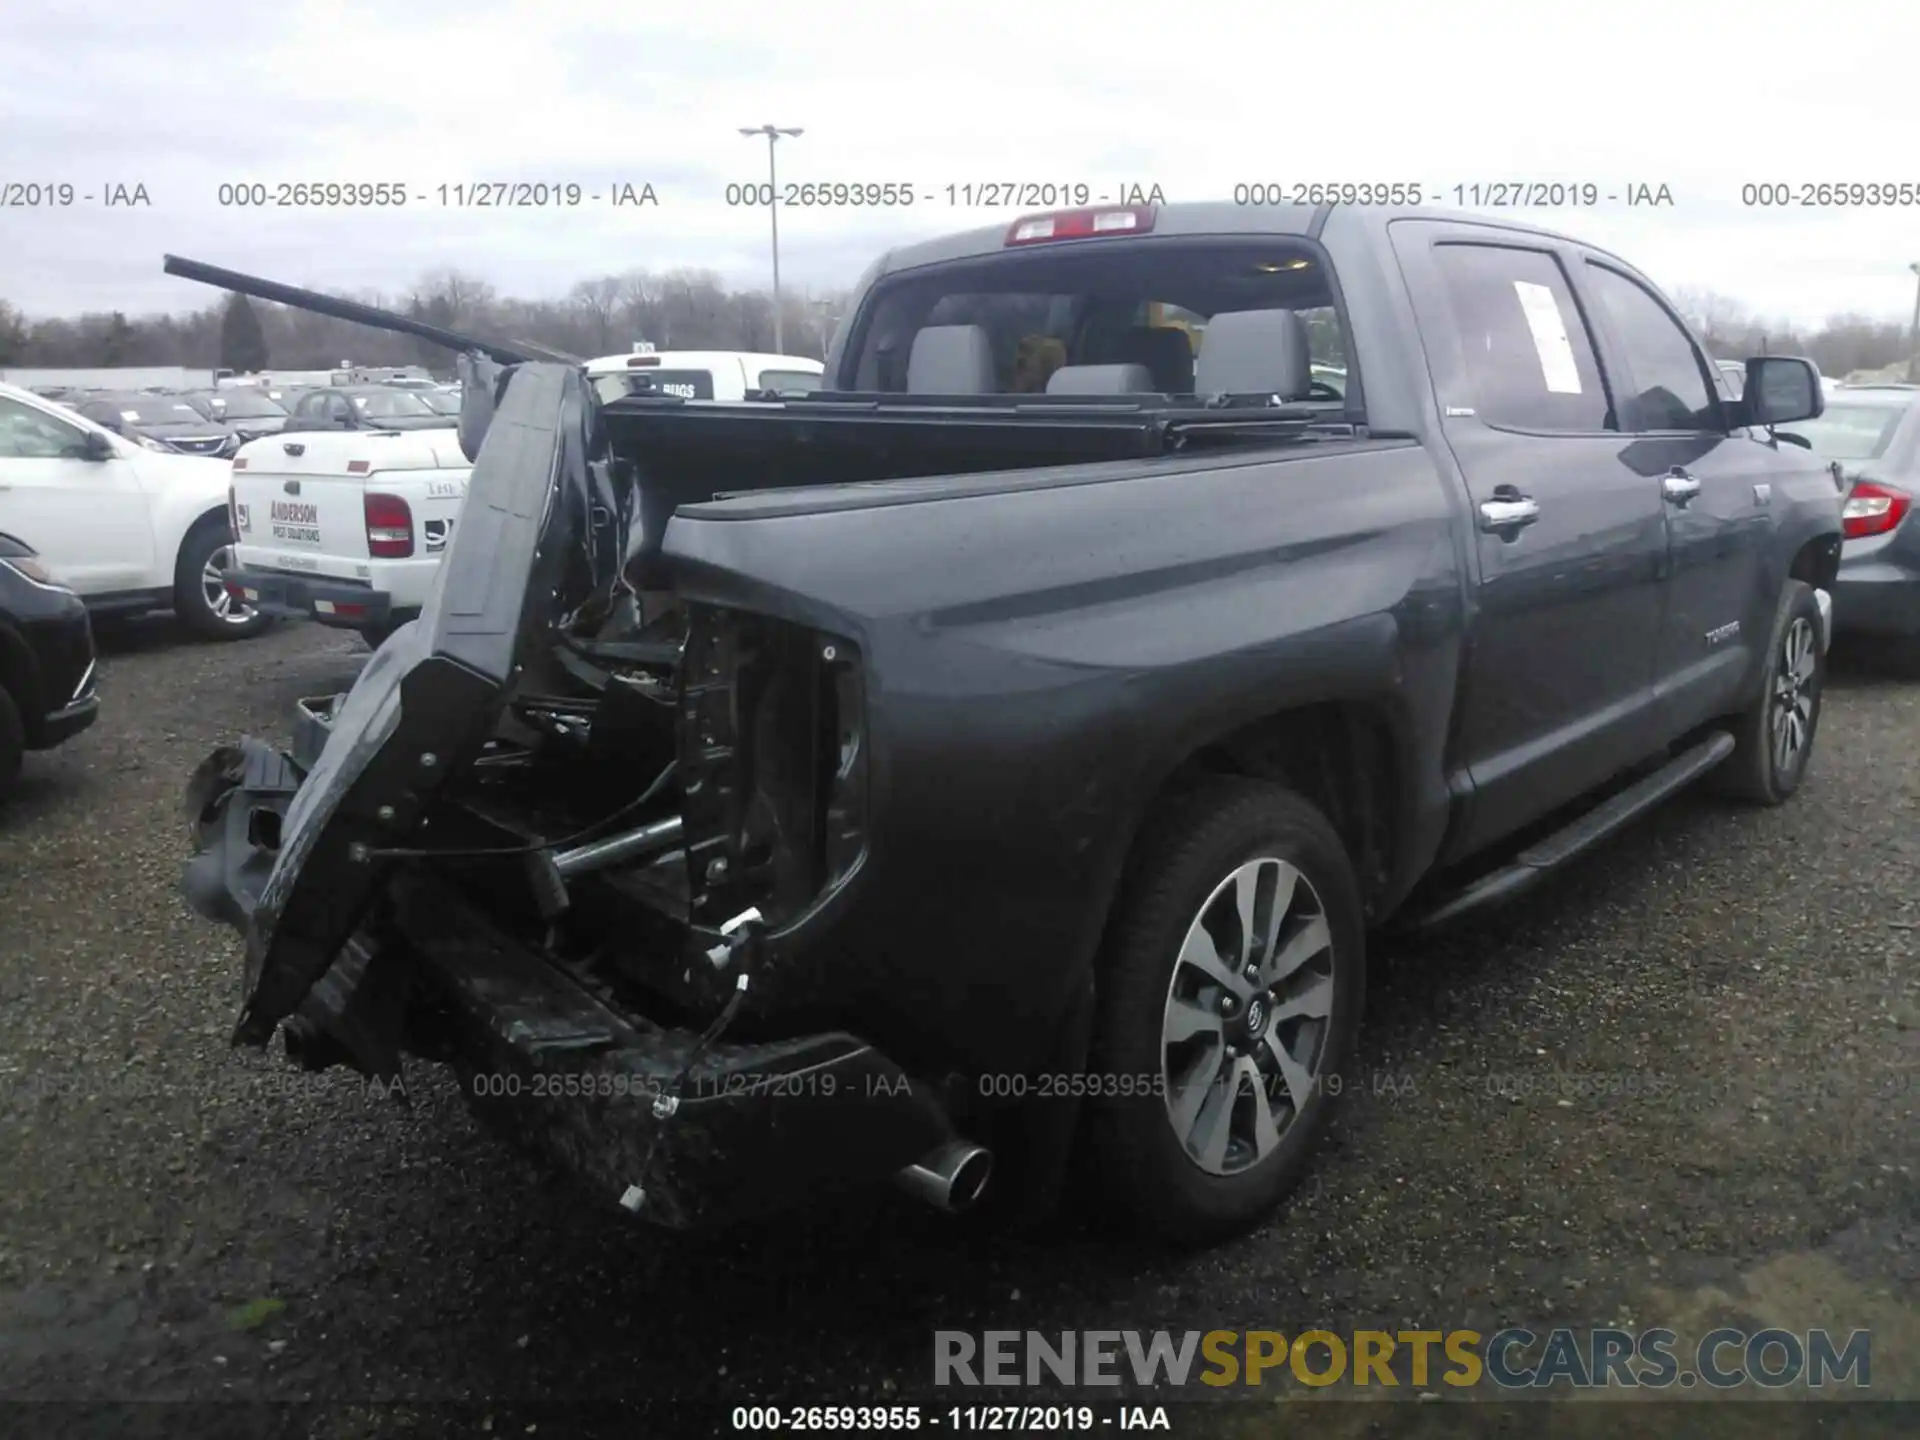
346, 527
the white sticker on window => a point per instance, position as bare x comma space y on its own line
130, 415
1550, 340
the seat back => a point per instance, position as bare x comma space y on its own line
1167, 353
1255, 352
1100, 380
951, 360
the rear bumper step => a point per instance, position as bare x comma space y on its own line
331, 602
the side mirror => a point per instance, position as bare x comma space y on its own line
95, 446
1781, 389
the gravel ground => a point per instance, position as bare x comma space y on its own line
180, 1221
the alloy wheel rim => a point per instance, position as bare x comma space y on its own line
1795, 696
213, 584
1249, 1007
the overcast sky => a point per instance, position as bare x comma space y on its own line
179, 98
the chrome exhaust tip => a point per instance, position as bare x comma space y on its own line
952, 1178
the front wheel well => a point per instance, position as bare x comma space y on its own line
1339, 756
216, 516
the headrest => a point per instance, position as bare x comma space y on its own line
951, 360
1100, 380
1255, 352
1165, 351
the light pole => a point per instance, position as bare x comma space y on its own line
773, 134
1913, 334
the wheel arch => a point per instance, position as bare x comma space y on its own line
1817, 562
1351, 757
1343, 757
216, 514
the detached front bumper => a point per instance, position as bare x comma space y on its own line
339, 603
680, 1132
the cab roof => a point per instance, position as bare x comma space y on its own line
1208, 218
705, 360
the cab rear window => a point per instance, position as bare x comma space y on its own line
789, 381
683, 384
1095, 303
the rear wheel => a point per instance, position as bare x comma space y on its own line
200, 595
1773, 737
13, 741
1229, 999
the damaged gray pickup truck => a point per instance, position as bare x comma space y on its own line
985, 772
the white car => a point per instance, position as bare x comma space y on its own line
128, 526
345, 527
702, 374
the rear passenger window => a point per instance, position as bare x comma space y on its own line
789, 381
1529, 357
1667, 372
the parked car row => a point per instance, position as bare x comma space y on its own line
217, 422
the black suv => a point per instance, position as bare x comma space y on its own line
46, 660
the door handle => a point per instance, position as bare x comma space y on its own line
1679, 487
1499, 515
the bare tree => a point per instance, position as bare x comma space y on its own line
599, 302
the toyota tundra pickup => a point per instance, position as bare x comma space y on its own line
987, 770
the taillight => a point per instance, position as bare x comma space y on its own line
389, 527
1081, 224
1873, 509
235, 515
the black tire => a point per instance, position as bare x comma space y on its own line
1193, 847
378, 635
1757, 773
13, 742
190, 600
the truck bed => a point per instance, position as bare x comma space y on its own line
850, 451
